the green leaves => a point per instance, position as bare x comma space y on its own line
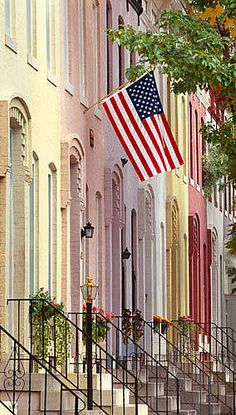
190, 51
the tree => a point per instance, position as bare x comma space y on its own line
195, 47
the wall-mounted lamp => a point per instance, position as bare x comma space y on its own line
126, 254
124, 161
87, 231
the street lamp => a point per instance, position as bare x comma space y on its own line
89, 292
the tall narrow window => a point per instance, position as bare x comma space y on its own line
50, 233
225, 195
191, 139
32, 28
67, 41
51, 35
96, 54
52, 230
10, 18
82, 49
197, 146
121, 55
184, 135
134, 258
109, 47
168, 101
229, 196
98, 245
33, 229
176, 121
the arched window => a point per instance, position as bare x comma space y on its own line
149, 253
215, 294
134, 258
98, 245
117, 206
34, 227
20, 176
121, 55
78, 219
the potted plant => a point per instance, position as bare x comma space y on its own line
132, 325
51, 332
160, 323
100, 323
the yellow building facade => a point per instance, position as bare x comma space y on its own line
29, 150
177, 212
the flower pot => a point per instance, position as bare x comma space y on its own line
163, 328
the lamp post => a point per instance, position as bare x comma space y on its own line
89, 292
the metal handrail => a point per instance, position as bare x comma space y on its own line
150, 355
126, 375
196, 363
15, 383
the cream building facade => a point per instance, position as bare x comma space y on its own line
29, 150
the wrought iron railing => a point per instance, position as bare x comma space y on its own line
19, 386
131, 372
125, 348
190, 357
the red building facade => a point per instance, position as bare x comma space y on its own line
199, 236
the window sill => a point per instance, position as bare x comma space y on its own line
198, 188
191, 182
32, 62
84, 101
98, 113
52, 79
226, 213
230, 216
185, 179
69, 88
10, 43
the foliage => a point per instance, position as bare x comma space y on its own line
190, 52
188, 335
132, 325
195, 48
137, 326
126, 325
231, 243
214, 166
49, 326
100, 323
161, 323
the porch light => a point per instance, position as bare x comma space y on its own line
87, 231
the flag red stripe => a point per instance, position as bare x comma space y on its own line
172, 140
130, 136
139, 132
123, 143
163, 143
151, 135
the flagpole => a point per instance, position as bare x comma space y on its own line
106, 96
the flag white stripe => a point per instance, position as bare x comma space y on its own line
135, 135
144, 132
126, 138
167, 140
159, 143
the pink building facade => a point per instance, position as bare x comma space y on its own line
199, 239
82, 147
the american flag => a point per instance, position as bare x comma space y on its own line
137, 117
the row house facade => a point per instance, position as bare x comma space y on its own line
158, 245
